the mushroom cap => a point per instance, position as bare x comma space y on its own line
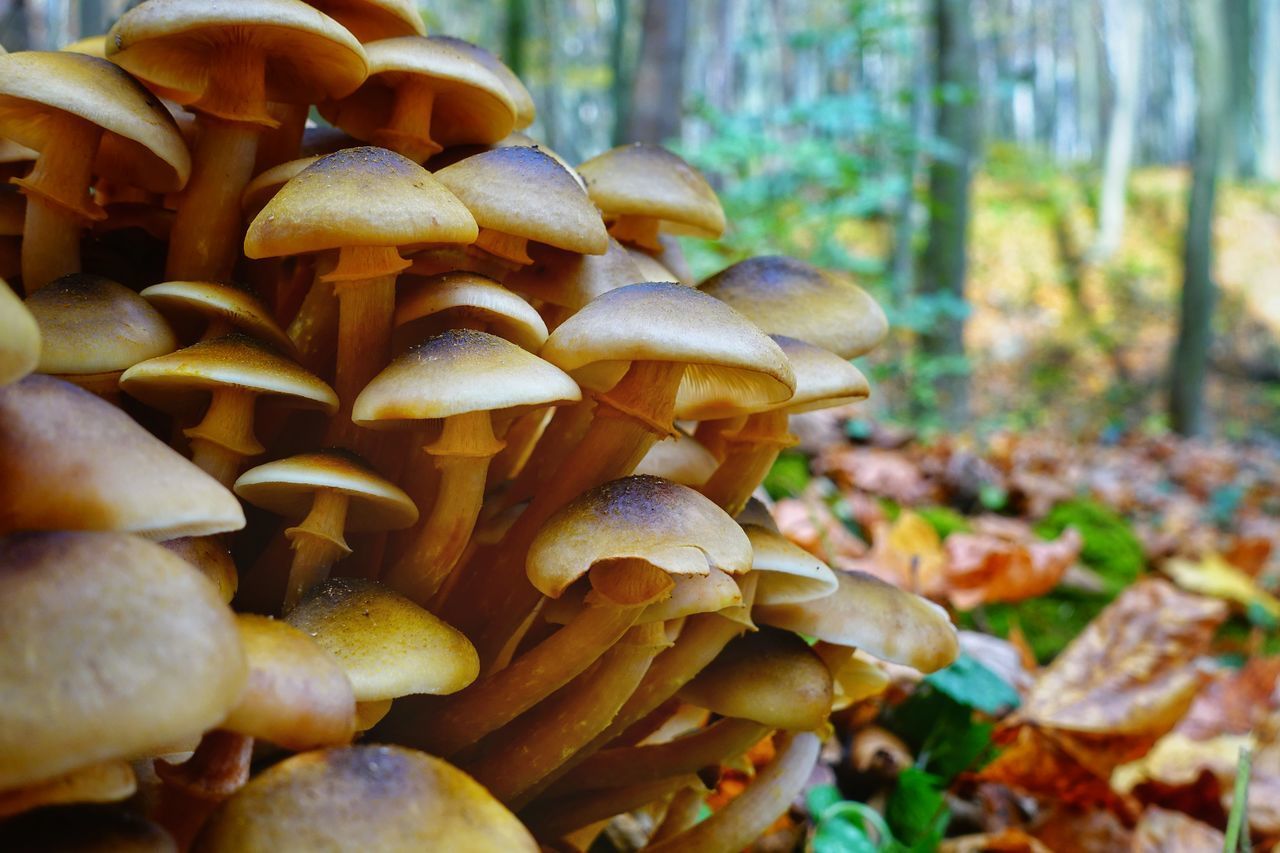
211, 557
104, 782
646, 180
651, 268
422, 309
785, 296
869, 614
71, 461
572, 280
91, 324
769, 676
139, 134
788, 573
178, 381
89, 46
268, 182
85, 829
389, 646
523, 191
680, 459
287, 487
516, 90
367, 797
318, 141
669, 526
358, 197
214, 301
471, 104
370, 20
110, 646
755, 512
296, 694
824, 380
732, 366
456, 372
713, 592
19, 337
173, 43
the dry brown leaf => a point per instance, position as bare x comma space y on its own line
1068, 829
983, 568
1236, 702
1164, 831
812, 525
888, 473
1264, 791
1037, 763
1005, 841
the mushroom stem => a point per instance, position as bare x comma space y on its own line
462, 453
627, 765
521, 438
409, 130
628, 419
217, 769
767, 797
711, 433
552, 819
509, 248
317, 544
281, 144
58, 203
639, 231
749, 454
512, 761
568, 425
682, 813
221, 441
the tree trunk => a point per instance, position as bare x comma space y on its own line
1268, 53
1088, 77
945, 262
619, 61
513, 36
1190, 352
658, 95
1240, 159
1125, 24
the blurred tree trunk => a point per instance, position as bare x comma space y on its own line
514, 35
1268, 54
903, 259
1088, 75
620, 64
658, 95
1125, 24
1191, 349
1240, 160
13, 24
945, 263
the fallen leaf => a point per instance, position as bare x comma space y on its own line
908, 553
1214, 576
1164, 831
887, 473
1005, 841
1037, 763
1177, 761
1236, 702
983, 568
812, 525
1064, 828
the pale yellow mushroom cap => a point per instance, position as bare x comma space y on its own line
209, 300
211, 557
824, 380
19, 337
369, 20
110, 646
572, 280
788, 573
89, 46
70, 461
680, 459
649, 181
432, 304
516, 90
384, 798
267, 183
389, 646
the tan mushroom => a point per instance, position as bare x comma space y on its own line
19, 338
464, 300
206, 309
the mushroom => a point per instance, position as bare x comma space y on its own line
362, 798
521, 195
628, 539
855, 676
679, 458
19, 338
465, 378
640, 349
93, 329
370, 20
111, 648
464, 300
388, 646
69, 461
233, 371
211, 557
421, 95
216, 309
642, 188
785, 296
328, 493
788, 573
568, 281
365, 203
516, 90
107, 782
63, 105
229, 61
563, 820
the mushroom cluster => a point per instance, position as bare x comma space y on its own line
388, 485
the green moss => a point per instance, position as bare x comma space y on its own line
1049, 623
945, 520
1110, 547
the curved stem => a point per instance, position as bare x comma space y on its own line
220, 463
217, 769
552, 819
317, 544
639, 231
682, 813
568, 425
408, 131
224, 437
767, 797
58, 204
750, 454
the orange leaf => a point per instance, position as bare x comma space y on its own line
1163, 831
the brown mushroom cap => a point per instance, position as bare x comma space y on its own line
524, 192
358, 197
471, 104
211, 557
649, 181
384, 798
180, 380
572, 280
389, 646
680, 459
457, 372
867, 613
785, 296
516, 90
287, 487
173, 43
144, 137
70, 461
110, 646
428, 308
90, 324
370, 20
788, 573
769, 676
732, 365
319, 141
19, 338
296, 694
214, 301
666, 525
